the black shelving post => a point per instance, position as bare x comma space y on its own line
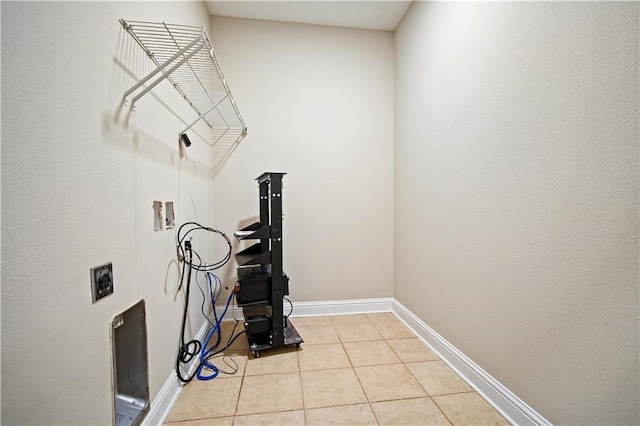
264, 211
277, 294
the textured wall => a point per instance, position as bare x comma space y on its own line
78, 182
319, 105
516, 195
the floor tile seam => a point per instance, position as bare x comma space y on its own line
235, 412
378, 327
315, 325
354, 324
304, 411
347, 316
351, 323
389, 346
416, 379
358, 341
336, 368
385, 363
470, 392
375, 416
401, 338
271, 372
354, 327
404, 327
402, 399
454, 393
260, 413
425, 389
355, 372
376, 340
450, 393
415, 398
394, 337
180, 422
348, 367
322, 343
190, 419
348, 405
337, 405
323, 368
441, 410
394, 351
380, 364
388, 399
269, 412
365, 393
431, 360
376, 314
204, 416
274, 374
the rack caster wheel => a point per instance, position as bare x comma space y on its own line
256, 354
297, 345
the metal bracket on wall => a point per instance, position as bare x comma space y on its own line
184, 57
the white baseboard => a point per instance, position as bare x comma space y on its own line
329, 307
162, 403
502, 399
341, 307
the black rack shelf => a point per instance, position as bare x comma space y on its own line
262, 283
254, 255
255, 231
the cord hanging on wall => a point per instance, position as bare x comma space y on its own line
184, 56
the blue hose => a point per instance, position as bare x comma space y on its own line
204, 352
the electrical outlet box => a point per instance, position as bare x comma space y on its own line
170, 218
101, 281
158, 224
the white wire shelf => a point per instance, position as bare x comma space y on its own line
184, 56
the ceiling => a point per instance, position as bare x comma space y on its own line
367, 14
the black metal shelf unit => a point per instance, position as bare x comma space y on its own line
262, 282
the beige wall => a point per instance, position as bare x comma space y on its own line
78, 182
319, 105
516, 195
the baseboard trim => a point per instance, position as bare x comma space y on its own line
329, 307
502, 399
162, 403
342, 307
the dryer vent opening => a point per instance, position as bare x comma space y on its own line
130, 366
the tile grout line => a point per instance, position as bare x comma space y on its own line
441, 410
304, 410
428, 395
385, 340
235, 412
423, 388
358, 377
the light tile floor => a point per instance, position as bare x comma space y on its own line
364, 369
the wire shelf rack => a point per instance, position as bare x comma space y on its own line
185, 57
